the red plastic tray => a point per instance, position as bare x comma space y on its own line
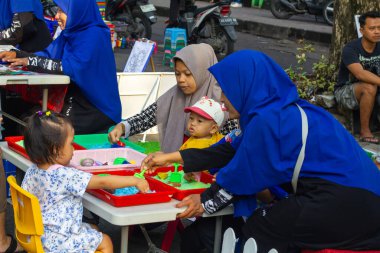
21, 150
163, 192
181, 194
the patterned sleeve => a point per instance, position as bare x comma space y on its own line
144, 120
44, 65
77, 181
13, 34
215, 198
230, 125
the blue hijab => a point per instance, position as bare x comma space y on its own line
84, 47
267, 151
9, 7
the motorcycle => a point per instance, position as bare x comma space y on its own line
49, 11
131, 17
212, 25
284, 9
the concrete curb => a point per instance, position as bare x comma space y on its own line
277, 32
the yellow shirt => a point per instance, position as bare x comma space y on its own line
201, 143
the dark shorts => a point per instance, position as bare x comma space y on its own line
345, 97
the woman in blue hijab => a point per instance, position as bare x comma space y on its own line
83, 51
22, 24
335, 187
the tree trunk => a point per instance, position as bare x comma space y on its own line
344, 29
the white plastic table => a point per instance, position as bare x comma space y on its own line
45, 80
125, 216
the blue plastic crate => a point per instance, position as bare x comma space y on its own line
9, 169
7, 174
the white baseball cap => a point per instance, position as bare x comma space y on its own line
208, 109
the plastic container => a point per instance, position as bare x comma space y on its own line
13, 144
107, 156
149, 146
162, 193
97, 141
181, 194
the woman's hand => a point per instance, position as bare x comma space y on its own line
116, 133
194, 206
4, 56
153, 161
159, 159
142, 185
18, 62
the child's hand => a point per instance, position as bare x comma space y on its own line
189, 177
116, 133
142, 185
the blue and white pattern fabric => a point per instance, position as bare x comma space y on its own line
59, 190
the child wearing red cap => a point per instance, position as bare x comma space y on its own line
206, 116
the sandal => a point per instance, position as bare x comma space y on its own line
13, 246
369, 139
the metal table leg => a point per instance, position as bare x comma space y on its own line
218, 234
45, 92
124, 239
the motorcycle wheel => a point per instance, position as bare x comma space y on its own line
227, 45
328, 12
279, 10
142, 20
222, 44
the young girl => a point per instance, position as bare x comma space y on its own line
59, 188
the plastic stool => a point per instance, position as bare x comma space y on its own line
174, 40
258, 3
174, 34
168, 57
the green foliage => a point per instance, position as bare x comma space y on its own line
322, 78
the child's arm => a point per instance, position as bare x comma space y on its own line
114, 182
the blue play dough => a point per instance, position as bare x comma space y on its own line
132, 190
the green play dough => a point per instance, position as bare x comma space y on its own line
103, 175
20, 143
185, 185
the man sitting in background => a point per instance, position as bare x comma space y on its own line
359, 73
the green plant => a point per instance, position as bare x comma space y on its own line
320, 80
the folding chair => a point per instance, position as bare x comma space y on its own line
250, 246
229, 241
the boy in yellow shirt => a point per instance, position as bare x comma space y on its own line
206, 116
